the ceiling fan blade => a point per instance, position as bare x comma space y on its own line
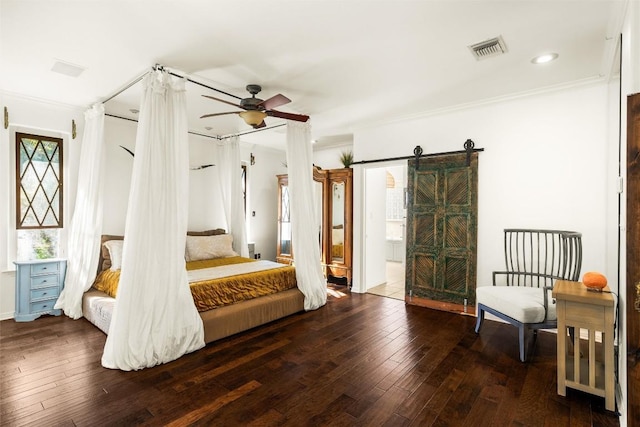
274, 101
288, 116
223, 101
220, 114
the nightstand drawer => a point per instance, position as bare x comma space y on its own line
38, 286
44, 293
44, 281
44, 267
42, 306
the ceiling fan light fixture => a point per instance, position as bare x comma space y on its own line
253, 117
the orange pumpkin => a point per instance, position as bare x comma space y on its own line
594, 280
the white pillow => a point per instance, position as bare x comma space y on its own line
115, 253
208, 247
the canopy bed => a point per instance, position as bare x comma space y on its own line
232, 293
152, 318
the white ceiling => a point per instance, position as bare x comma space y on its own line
348, 64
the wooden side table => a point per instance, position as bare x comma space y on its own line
594, 312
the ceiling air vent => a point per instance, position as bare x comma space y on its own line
488, 48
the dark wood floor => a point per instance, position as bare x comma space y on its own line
360, 360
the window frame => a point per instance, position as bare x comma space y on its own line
59, 214
10, 253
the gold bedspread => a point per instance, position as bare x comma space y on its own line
208, 294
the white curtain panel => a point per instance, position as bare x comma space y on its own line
155, 320
230, 179
83, 250
304, 220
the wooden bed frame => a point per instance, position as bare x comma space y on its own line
221, 322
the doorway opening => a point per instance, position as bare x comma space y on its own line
385, 206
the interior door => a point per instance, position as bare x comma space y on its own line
442, 232
633, 255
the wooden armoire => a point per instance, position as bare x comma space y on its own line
334, 195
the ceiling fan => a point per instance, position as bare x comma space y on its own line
256, 109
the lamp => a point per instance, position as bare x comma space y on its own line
253, 117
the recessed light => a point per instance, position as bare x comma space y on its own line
542, 59
208, 127
67, 68
134, 111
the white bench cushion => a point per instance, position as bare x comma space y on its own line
522, 303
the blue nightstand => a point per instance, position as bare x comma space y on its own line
38, 285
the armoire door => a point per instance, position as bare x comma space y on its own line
339, 225
442, 232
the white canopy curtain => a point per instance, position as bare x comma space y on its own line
229, 177
86, 224
304, 220
155, 320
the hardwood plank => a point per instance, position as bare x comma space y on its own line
384, 408
204, 411
360, 360
436, 404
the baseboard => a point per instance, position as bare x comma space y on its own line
6, 316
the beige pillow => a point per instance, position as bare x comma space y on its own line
105, 258
115, 253
209, 247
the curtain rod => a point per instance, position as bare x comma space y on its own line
160, 67
219, 138
134, 81
134, 120
363, 162
203, 85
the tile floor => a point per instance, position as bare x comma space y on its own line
394, 287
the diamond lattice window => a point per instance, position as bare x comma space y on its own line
38, 182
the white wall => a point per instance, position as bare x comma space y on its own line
543, 166
45, 118
329, 157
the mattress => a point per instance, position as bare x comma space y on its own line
222, 281
97, 308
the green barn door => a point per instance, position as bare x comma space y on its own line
442, 218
